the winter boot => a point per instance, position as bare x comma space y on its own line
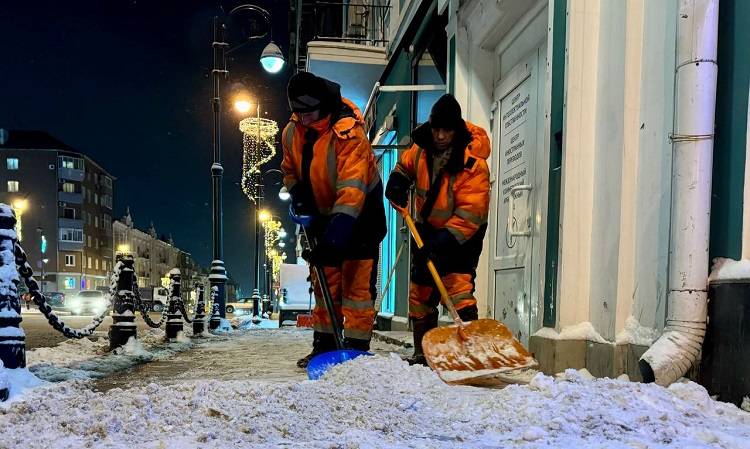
357, 344
470, 313
420, 326
322, 342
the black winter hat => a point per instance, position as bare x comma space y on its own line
446, 113
306, 92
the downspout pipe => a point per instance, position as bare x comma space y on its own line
679, 347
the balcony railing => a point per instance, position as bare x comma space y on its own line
353, 21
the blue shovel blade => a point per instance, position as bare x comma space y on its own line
321, 363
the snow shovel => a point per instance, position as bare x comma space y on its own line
321, 363
473, 353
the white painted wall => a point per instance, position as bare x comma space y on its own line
617, 163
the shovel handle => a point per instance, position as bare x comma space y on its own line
430, 266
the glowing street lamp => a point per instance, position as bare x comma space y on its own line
264, 215
272, 59
242, 106
123, 248
20, 206
284, 194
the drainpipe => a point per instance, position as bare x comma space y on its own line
679, 347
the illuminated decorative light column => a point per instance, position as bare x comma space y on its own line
258, 142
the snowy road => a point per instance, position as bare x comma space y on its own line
243, 391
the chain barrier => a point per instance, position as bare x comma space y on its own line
183, 311
27, 273
140, 305
144, 312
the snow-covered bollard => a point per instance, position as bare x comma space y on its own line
123, 307
12, 337
174, 315
199, 322
215, 320
266, 305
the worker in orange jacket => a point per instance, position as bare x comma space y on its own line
331, 173
448, 168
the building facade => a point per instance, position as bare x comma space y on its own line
63, 201
592, 108
154, 257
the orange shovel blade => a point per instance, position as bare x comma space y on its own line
486, 348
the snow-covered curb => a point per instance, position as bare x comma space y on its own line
377, 402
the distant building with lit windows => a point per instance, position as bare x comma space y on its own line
63, 197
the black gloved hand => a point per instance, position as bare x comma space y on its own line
397, 189
339, 231
302, 202
438, 246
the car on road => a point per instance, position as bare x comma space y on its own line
240, 306
87, 302
56, 300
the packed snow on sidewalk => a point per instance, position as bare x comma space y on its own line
371, 402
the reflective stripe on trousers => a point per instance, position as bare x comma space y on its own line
352, 286
423, 301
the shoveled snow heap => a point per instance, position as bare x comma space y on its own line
376, 402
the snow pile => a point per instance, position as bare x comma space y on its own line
376, 402
725, 269
580, 331
225, 327
17, 381
86, 359
635, 334
249, 322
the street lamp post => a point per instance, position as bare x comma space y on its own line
272, 61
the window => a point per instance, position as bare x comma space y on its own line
88, 243
12, 186
70, 260
96, 198
71, 213
71, 235
89, 262
70, 162
107, 181
12, 163
96, 221
69, 187
96, 241
96, 263
106, 200
70, 283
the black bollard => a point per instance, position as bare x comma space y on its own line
215, 320
174, 316
12, 337
199, 322
256, 302
123, 303
266, 305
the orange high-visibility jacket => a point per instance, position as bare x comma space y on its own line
343, 174
463, 198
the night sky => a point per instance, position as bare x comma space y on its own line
128, 83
